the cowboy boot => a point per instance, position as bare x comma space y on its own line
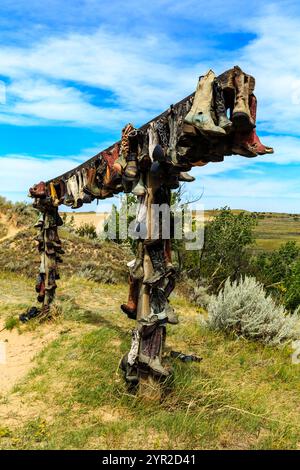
137, 271
68, 199
40, 222
200, 113
185, 177
171, 314
131, 307
250, 144
139, 189
157, 367
91, 187
129, 147
241, 117
39, 190
220, 108
158, 263
74, 187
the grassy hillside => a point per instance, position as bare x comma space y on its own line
242, 395
67, 392
273, 228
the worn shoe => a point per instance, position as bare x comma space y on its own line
220, 108
139, 188
200, 113
131, 307
156, 254
39, 190
241, 117
250, 143
185, 177
157, 367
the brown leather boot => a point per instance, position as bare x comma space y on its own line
91, 187
131, 307
241, 117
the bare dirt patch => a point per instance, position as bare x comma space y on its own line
20, 350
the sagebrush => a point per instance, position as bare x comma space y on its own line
244, 308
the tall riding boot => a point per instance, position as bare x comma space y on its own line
220, 109
200, 113
131, 307
241, 117
156, 254
251, 142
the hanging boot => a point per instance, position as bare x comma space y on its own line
200, 113
249, 144
241, 117
139, 189
129, 149
168, 257
171, 314
91, 187
137, 270
158, 263
53, 194
131, 170
220, 109
185, 177
68, 199
40, 222
131, 307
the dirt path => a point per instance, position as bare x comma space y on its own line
18, 350
12, 229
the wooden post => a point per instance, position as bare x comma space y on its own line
149, 387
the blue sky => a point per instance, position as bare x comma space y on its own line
76, 72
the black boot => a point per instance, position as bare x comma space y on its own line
156, 253
220, 109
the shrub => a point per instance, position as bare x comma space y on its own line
200, 296
87, 230
245, 309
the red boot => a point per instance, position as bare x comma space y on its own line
250, 145
131, 307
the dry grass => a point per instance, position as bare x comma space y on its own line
242, 395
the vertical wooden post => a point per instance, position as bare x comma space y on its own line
149, 387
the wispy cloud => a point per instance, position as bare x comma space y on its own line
95, 69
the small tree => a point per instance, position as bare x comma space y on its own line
226, 241
279, 271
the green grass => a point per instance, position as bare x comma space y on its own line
242, 395
275, 229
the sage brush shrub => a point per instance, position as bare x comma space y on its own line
245, 309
